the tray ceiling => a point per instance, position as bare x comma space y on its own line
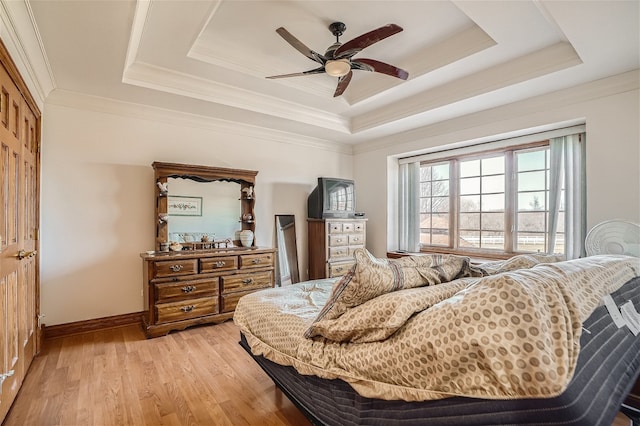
210, 58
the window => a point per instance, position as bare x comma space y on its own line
525, 194
469, 204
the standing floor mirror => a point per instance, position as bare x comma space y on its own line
287, 265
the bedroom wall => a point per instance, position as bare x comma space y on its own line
97, 180
97, 197
609, 107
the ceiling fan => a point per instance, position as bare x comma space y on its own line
337, 61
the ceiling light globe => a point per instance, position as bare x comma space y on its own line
337, 68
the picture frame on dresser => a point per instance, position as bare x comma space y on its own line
180, 205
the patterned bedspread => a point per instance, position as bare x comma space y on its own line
512, 334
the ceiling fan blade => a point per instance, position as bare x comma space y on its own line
298, 74
377, 66
343, 82
354, 46
300, 46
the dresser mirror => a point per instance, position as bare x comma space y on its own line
201, 207
216, 210
287, 259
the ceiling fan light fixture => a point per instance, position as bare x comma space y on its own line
337, 68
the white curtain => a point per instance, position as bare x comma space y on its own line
409, 207
567, 156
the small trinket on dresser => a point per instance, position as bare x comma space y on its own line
248, 192
164, 188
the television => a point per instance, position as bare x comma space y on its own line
332, 198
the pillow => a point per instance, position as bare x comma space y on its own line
371, 277
521, 261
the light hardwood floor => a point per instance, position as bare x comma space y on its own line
199, 376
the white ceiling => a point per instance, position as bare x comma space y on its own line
210, 57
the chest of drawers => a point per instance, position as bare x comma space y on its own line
189, 288
331, 245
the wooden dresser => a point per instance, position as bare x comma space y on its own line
331, 245
197, 287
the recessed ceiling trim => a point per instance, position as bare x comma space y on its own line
202, 53
459, 46
171, 81
546, 108
542, 62
178, 118
137, 30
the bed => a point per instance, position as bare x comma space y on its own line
362, 349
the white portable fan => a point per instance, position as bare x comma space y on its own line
614, 237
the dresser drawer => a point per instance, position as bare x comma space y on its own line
256, 260
334, 227
358, 227
229, 301
339, 269
338, 240
173, 268
347, 227
176, 311
214, 264
338, 252
166, 292
356, 239
243, 282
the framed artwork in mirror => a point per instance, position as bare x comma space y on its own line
184, 206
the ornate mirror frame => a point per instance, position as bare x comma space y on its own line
164, 171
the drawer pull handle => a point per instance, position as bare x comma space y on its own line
219, 264
339, 240
176, 268
188, 308
339, 269
255, 261
247, 281
188, 289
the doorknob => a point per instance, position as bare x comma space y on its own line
25, 254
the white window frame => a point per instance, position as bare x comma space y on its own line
481, 149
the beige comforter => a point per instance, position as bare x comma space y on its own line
514, 334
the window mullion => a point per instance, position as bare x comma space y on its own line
510, 202
454, 202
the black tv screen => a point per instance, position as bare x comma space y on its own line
333, 197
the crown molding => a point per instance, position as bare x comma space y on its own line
137, 31
167, 80
170, 81
81, 101
20, 35
455, 48
542, 62
538, 105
